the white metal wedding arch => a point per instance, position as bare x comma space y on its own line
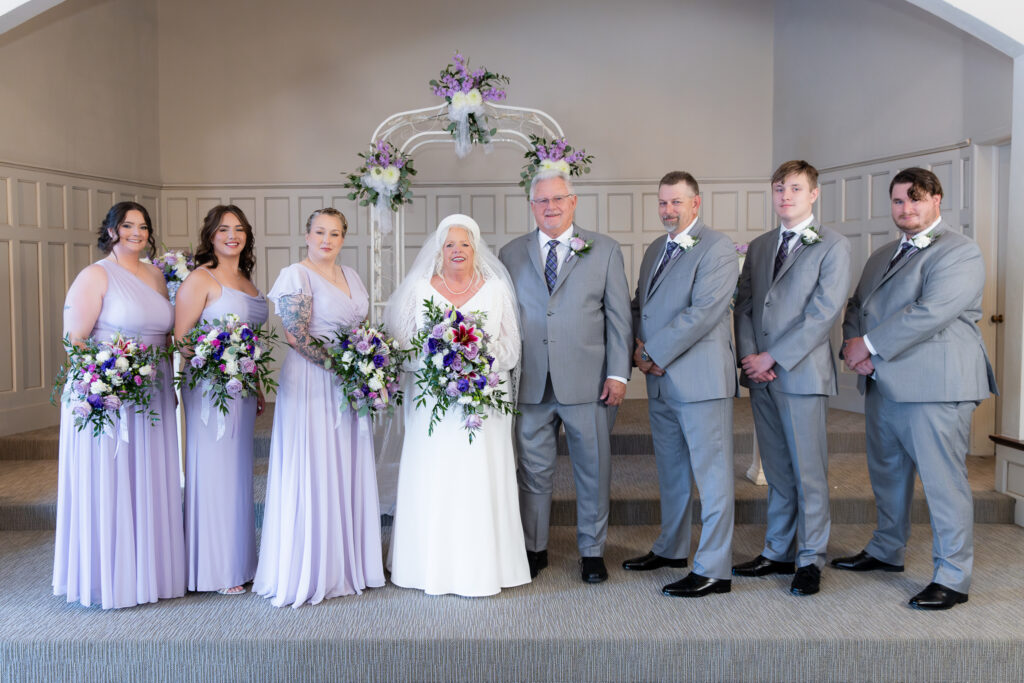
412, 130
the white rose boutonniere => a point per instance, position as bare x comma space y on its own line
686, 243
923, 240
810, 235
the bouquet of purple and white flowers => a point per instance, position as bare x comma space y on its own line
466, 91
457, 368
175, 264
554, 154
383, 180
104, 379
228, 358
367, 364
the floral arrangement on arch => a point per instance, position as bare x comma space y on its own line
556, 155
457, 370
175, 264
367, 364
102, 380
465, 92
384, 180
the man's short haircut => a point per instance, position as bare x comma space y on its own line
548, 174
796, 166
676, 177
922, 181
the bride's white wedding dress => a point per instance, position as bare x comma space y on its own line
457, 527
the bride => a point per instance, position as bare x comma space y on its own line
457, 527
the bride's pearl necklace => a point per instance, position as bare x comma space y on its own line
471, 283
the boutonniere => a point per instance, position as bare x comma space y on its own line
686, 243
810, 235
924, 240
578, 247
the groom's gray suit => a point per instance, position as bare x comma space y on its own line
931, 371
573, 339
790, 316
682, 317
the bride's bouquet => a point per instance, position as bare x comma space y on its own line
457, 367
229, 358
104, 379
367, 364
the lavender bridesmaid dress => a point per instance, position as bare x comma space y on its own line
220, 524
321, 525
119, 539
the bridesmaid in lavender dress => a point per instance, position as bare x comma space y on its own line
220, 524
119, 539
321, 526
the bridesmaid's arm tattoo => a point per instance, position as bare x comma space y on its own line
295, 311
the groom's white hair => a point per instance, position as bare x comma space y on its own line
456, 220
548, 174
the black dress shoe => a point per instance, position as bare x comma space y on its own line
862, 562
807, 581
651, 561
937, 596
696, 586
762, 566
537, 561
592, 569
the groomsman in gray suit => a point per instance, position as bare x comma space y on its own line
911, 335
684, 347
577, 337
791, 292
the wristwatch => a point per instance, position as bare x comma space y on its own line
644, 357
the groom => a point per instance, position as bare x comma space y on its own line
575, 315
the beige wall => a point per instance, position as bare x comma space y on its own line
78, 88
268, 92
893, 80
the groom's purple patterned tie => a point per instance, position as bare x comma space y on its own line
551, 267
780, 256
904, 248
670, 249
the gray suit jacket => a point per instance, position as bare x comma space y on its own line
683, 318
921, 319
791, 316
580, 333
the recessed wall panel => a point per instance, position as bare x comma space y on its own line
55, 288
945, 173
276, 216
275, 258
876, 240
354, 214
203, 206
5, 205
757, 211
104, 200
965, 184
828, 203
853, 198
651, 219
880, 195
518, 220
415, 215
446, 204
620, 212
55, 214
30, 357
152, 205
127, 197
176, 221
307, 205
725, 211
28, 204
81, 256
481, 208
78, 216
247, 205
6, 330
586, 212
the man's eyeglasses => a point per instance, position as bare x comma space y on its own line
557, 200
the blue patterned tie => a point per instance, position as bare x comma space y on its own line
904, 248
551, 267
780, 256
670, 249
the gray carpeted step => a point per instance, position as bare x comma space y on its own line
28, 493
556, 628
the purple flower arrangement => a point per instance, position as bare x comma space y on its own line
384, 178
556, 155
175, 264
229, 358
465, 92
100, 378
457, 370
367, 364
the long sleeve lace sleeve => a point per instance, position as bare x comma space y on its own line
506, 345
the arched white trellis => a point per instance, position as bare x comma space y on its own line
411, 130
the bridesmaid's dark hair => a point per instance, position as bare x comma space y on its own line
205, 253
115, 217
